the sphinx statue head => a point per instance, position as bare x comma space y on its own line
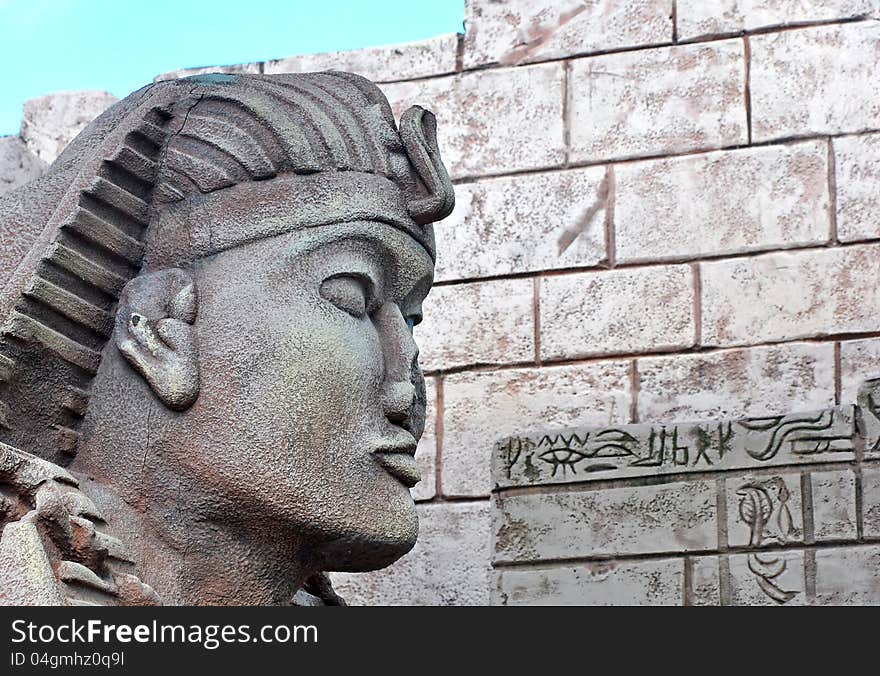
208, 372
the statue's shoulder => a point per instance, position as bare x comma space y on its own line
52, 548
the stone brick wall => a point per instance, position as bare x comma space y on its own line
666, 209
770, 509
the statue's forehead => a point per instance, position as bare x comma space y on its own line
394, 260
254, 211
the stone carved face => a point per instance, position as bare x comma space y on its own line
227, 365
310, 399
308, 372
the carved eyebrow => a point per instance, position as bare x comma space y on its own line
400, 275
363, 266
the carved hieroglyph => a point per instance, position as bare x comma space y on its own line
212, 338
731, 510
625, 451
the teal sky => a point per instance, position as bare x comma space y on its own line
120, 45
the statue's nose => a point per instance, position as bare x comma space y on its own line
400, 353
397, 402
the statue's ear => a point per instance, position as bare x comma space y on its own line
155, 333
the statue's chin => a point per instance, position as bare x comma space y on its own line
366, 552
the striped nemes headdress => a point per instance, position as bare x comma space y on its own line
86, 224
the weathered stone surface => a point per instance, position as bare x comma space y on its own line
617, 312
859, 360
426, 451
488, 322
705, 588
815, 81
387, 63
848, 576
213, 332
204, 70
493, 122
698, 18
674, 517
869, 406
504, 226
843, 576
857, 173
871, 500
479, 408
757, 198
522, 31
51, 122
657, 101
767, 579
611, 583
834, 505
627, 451
18, 165
525, 239
814, 293
26, 576
764, 510
737, 383
448, 566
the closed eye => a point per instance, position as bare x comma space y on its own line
350, 293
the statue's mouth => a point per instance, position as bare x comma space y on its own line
399, 461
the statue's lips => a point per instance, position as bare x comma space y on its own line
399, 462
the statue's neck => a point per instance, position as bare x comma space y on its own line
193, 556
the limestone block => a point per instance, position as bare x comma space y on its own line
859, 360
769, 579
766, 579
705, 588
818, 80
871, 501
834, 505
869, 405
18, 165
675, 517
627, 451
748, 382
426, 452
617, 312
848, 576
480, 408
204, 70
786, 296
504, 226
722, 202
605, 583
764, 510
859, 382
488, 322
522, 31
857, 172
448, 566
658, 101
494, 121
698, 18
405, 61
51, 122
